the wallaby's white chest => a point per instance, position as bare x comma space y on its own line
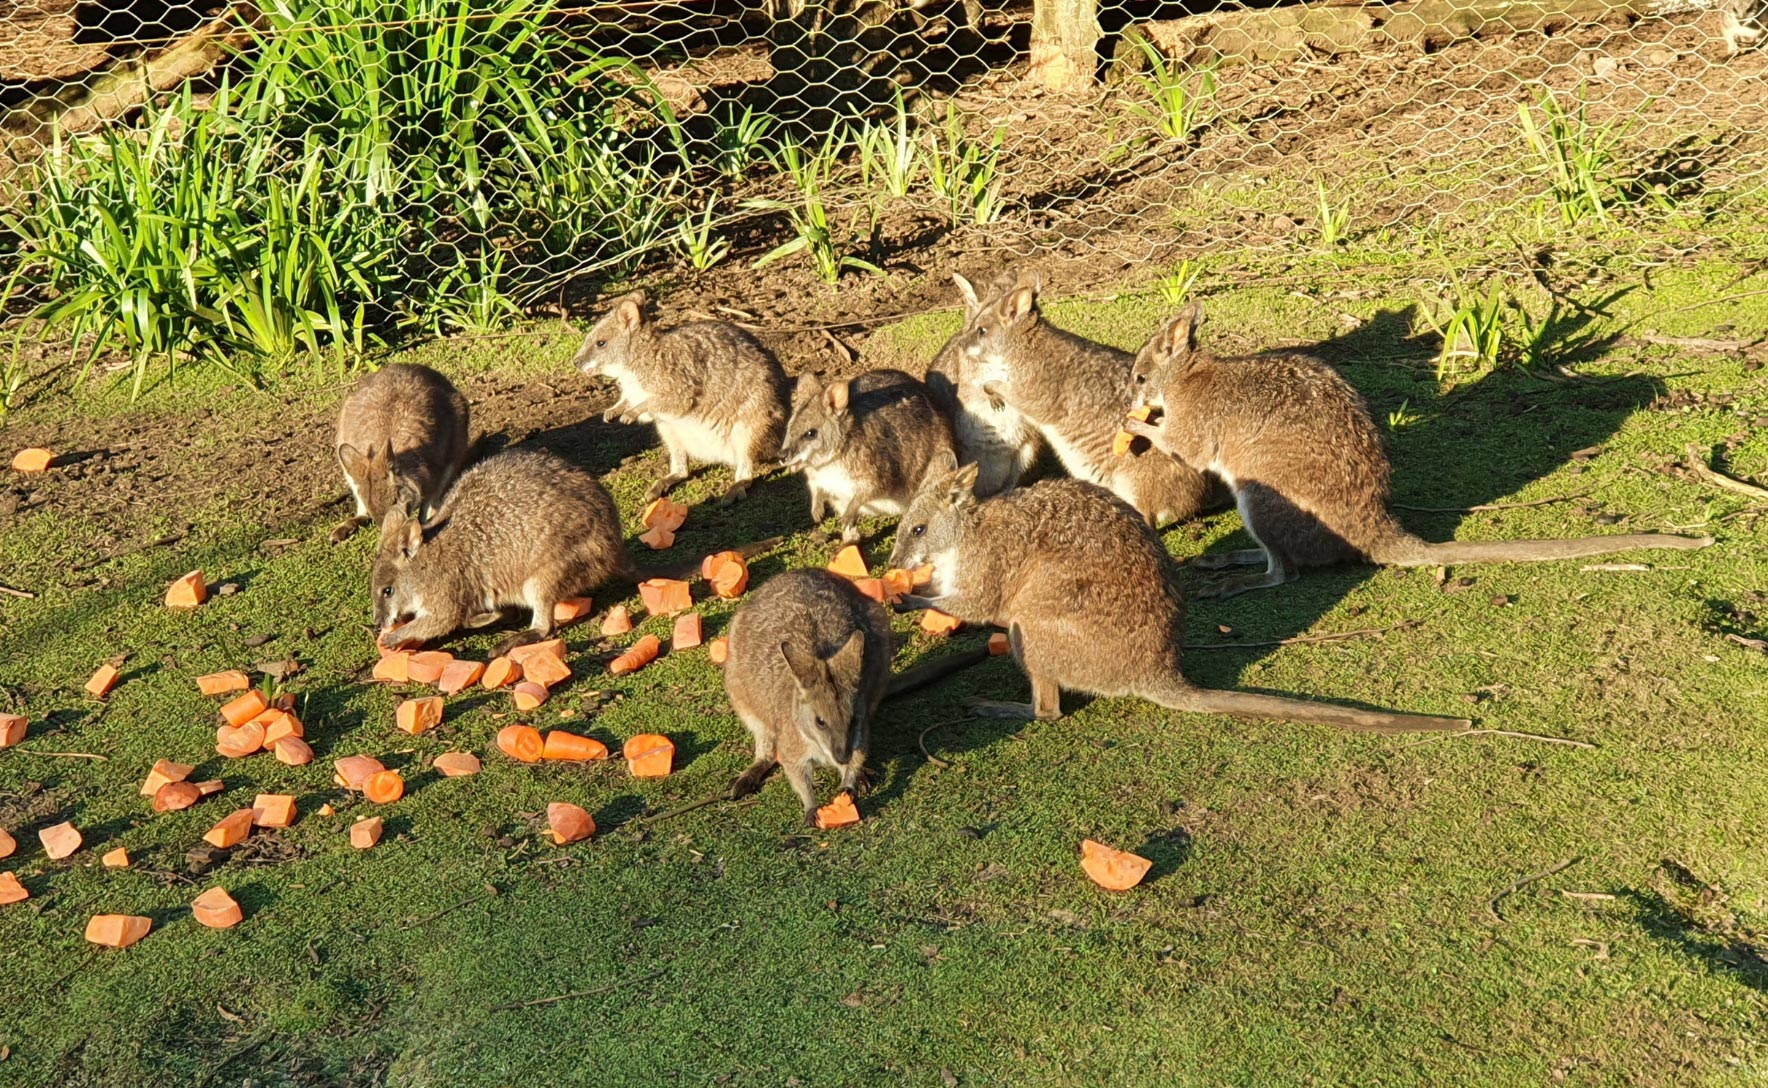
1077, 463
834, 482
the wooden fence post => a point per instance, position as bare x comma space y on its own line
1064, 43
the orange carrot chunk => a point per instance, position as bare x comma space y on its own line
649, 755
278, 725
664, 596
188, 591
11, 891
711, 563
273, 809
618, 621
922, 574
568, 822
117, 930
231, 829
220, 683
998, 644
384, 787
459, 676
394, 668
33, 459
456, 764
353, 771
837, 813
365, 833
174, 796
529, 695
718, 650
553, 646
728, 574
7, 844
658, 538
216, 909
572, 609
545, 669
687, 633
209, 788
414, 716
238, 741
293, 751
1111, 869
849, 562
427, 667
670, 515
500, 672
245, 708
61, 840
164, 771
935, 622
12, 729
559, 744
643, 652
103, 681
872, 587
898, 582
116, 859
520, 742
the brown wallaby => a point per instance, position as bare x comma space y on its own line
713, 391
999, 441
402, 437
1305, 461
1076, 393
1087, 595
519, 530
863, 444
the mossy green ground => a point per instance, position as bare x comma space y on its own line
1318, 909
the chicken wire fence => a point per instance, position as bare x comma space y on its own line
292, 177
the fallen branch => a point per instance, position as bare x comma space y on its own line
1297, 639
1691, 343
65, 755
1585, 895
1488, 506
1698, 464
1752, 643
555, 999
25, 594
481, 897
1504, 733
1523, 881
1614, 567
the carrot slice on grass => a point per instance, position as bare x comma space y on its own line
231, 829
935, 622
520, 742
210, 788
545, 669
553, 646
671, 515
273, 809
414, 716
117, 930
395, 668
426, 667
384, 787
326, 810
649, 755
559, 744
460, 676
529, 695
11, 891
32, 459
353, 771
849, 562
658, 538
7, 844
216, 909
1114, 870
103, 681
365, 833
115, 859
687, 633
280, 724
998, 644
174, 796
618, 621
12, 729
238, 741
245, 708
456, 764
188, 591
837, 813
61, 840
499, 673
643, 652
293, 751
728, 574
664, 596
718, 650
873, 588
572, 609
220, 683
568, 822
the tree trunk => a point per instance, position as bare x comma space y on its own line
1064, 43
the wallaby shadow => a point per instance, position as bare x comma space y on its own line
587, 443
1719, 952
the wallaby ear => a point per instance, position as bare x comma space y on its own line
963, 486
630, 310
407, 498
413, 537
1178, 337
945, 462
807, 387
355, 465
835, 396
850, 657
1019, 302
967, 291
807, 671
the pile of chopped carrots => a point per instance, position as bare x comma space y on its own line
662, 519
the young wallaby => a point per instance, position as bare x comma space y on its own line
402, 436
863, 444
713, 391
1305, 461
1000, 442
1075, 392
1087, 594
520, 529
809, 664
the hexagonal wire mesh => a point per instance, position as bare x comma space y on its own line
305, 176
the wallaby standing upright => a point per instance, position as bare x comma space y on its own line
863, 444
997, 439
713, 391
1296, 444
1075, 392
1087, 594
402, 436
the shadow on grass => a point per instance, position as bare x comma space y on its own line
1677, 928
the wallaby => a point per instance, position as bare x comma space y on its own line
402, 437
1000, 442
863, 444
1296, 444
1088, 597
1076, 393
713, 391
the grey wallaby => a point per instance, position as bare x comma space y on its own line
994, 437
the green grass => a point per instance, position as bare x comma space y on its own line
1318, 907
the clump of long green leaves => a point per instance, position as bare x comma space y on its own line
889, 153
815, 230
1472, 328
1576, 157
965, 173
1173, 94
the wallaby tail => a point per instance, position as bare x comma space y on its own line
1245, 704
689, 569
932, 672
1409, 551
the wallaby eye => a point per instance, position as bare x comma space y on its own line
981, 331
918, 530
601, 343
810, 435
387, 591
820, 724
1141, 379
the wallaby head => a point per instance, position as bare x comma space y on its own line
933, 526
821, 418
829, 709
1000, 325
396, 595
1164, 356
370, 473
609, 345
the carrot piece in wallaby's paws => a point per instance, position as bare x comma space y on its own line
460, 676
273, 809
353, 771
642, 653
649, 755
520, 742
559, 744
231, 829
238, 741
873, 588
117, 930
1114, 870
1123, 441
174, 796
618, 621
7, 844
501, 672
293, 751
384, 787
837, 813
718, 650
103, 681
188, 591
416, 715
220, 683
658, 538
849, 562
245, 708
935, 622
426, 667
164, 771
568, 822
664, 596
365, 833
998, 644
216, 909
922, 575
687, 633
115, 859
572, 609
32, 459
671, 515
11, 891
545, 669
394, 667
456, 764
61, 840
529, 695
521, 654
12, 729
898, 582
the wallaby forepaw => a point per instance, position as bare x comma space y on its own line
747, 783
660, 489
520, 638
736, 492
347, 530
